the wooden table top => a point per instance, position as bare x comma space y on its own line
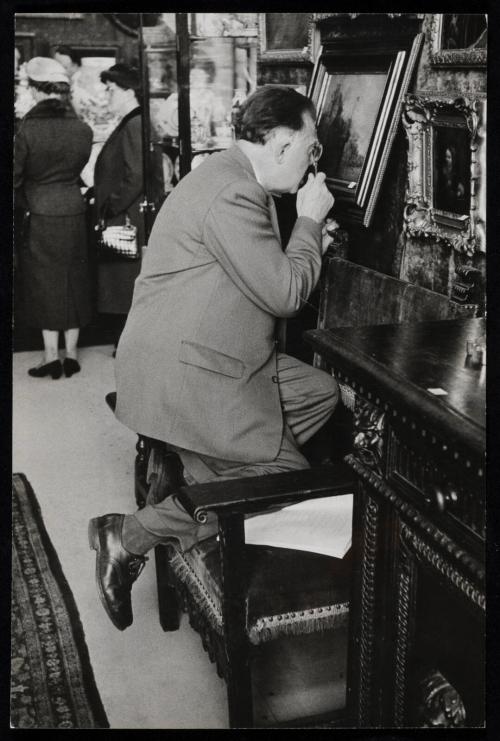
411, 358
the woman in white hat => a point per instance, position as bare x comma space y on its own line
51, 148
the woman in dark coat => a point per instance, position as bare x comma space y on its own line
52, 147
119, 186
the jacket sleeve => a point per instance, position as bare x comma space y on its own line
130, 187
239, 233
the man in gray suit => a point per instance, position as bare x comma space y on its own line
197, 365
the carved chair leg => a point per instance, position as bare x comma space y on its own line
168, 604
238, 677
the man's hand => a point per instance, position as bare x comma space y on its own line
329, 227
314, 199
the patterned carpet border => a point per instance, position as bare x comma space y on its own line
52, 682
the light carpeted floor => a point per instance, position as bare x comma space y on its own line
79, 460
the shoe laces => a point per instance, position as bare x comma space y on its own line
136, 566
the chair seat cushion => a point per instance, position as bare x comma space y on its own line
290, 592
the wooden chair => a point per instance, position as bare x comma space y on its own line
240, 596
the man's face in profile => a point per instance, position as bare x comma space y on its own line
297, 157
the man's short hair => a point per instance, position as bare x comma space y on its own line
268, 107
67, 51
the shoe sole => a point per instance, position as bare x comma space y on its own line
95, 545
54, 376
68, 374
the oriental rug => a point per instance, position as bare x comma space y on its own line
52, 682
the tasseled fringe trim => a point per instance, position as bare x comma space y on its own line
204, 601
267, 628
348, 396
296, 623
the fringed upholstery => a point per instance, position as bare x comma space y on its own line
311, 621
207, 603
348, 396
289, 592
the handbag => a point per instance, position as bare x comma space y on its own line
118, 241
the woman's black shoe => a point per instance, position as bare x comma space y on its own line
70, 366
53, 369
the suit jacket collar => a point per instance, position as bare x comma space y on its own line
242, 159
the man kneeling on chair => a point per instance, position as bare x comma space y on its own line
197, 365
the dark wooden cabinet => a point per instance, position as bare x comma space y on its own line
418, 603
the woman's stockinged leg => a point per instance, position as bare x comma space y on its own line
71, 341
50, 344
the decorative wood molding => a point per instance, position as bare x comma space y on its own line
340, 26
424, 551
405, 579
440, 704
422, 116
367, 607
454, 552
369, 428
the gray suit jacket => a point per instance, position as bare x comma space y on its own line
196, 363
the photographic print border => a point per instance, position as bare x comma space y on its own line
421, 115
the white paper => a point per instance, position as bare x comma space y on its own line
318, 525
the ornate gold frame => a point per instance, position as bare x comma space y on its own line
452, 57
278, 56
466, 233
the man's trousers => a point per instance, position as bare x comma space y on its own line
308, 398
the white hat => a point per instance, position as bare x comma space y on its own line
46, 69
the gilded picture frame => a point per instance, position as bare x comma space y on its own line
445, 194
286, 37
459, 40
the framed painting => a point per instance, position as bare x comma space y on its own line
459, 39
286, 37
445, 197
358, 93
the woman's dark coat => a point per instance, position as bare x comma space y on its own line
52, 146
119, 191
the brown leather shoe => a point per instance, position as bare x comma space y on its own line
116, 568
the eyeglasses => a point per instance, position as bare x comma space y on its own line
315, 152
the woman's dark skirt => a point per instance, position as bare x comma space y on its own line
56, 274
